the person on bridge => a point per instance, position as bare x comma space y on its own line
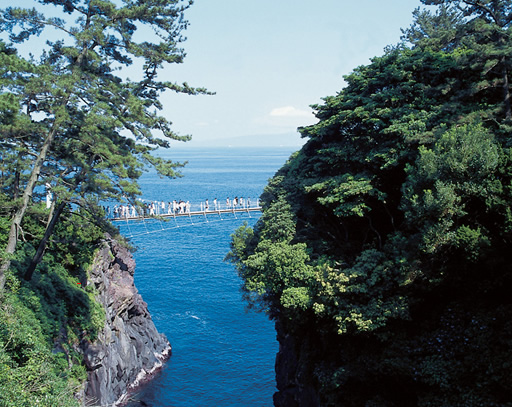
228, 203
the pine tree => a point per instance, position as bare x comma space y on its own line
484, 29
76, 77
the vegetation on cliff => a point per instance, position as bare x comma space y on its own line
72, 125
384, 241
42, 321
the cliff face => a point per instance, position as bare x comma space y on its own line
295, 370
129, 347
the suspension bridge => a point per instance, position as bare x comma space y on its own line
204, 213
143, 224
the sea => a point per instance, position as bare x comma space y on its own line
222, 353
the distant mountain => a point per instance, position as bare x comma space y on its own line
265, 140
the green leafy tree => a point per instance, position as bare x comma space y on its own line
483, 27
450, 182
76, 76
276, 269
397, 212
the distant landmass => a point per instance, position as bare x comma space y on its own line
265, 140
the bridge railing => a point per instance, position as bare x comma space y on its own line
148, 209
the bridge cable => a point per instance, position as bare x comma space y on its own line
129, 229
171, 228
144, 222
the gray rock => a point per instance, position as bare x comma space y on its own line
294, 370
129, 347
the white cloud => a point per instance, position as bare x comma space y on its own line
207, 123
289, 111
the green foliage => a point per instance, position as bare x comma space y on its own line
275, 267
30, 375
383, 245
296, 298
72, 122
90, 129
348, 194
43, 321
458, 175
58, 301
365, 296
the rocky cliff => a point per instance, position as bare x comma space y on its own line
129, 347
295, 368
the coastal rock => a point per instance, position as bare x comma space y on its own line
294, 370
129, 347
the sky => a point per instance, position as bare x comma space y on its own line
269, 60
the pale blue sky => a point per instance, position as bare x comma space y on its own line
269, 60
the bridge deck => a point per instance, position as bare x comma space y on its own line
190, 214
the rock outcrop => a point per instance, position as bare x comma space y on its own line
129, 347
295, 370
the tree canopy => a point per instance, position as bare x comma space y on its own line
384, 240
71, 117
80, 117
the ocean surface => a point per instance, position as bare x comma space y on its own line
223, 355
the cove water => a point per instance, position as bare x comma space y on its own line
223, 355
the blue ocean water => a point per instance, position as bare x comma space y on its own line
223, 355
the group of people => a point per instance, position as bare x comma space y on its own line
151, 208
123, 211
236, 203
158, 208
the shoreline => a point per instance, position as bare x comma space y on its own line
144, 377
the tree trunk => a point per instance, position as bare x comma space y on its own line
27, 196
44, 241
16, 189
506, 89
